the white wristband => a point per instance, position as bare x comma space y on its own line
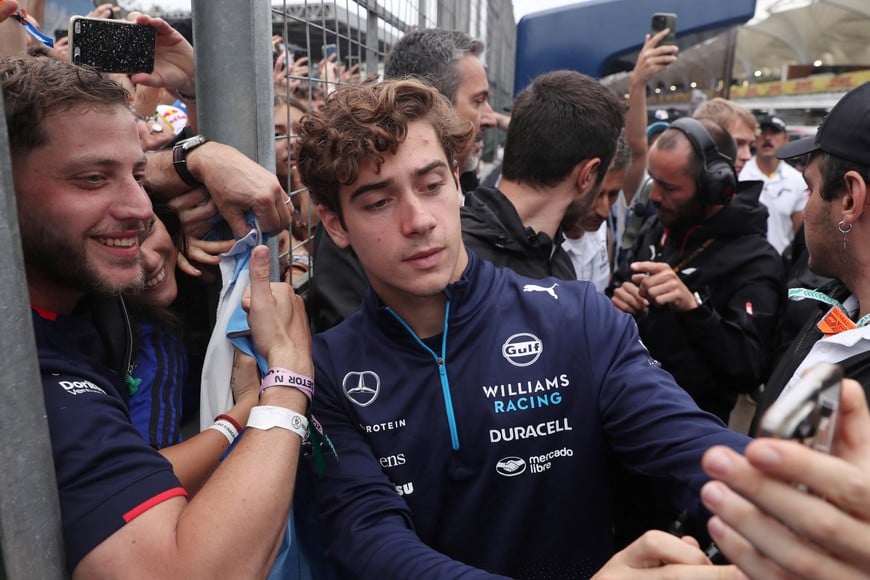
266, 417
226, 429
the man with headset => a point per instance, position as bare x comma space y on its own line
704, 285
702, 281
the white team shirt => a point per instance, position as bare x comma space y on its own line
784, 193
589, 256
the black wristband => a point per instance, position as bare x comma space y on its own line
179, 159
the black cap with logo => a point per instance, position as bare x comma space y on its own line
844, 133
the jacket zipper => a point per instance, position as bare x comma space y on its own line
441, 361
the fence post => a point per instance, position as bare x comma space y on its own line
234, 85
30, 528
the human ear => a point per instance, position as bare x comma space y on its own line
587, 174
334, 226
855, 198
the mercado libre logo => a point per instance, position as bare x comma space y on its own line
511, 466
522, 349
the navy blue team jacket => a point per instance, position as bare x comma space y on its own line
484, 450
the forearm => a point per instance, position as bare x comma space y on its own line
258, 479
195, 459
635, 137
161, 180
12, 38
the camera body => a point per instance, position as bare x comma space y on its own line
808, 410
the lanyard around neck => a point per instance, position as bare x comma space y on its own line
806, 294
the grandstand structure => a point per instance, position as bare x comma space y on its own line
795, 58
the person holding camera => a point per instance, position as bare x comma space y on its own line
837, 236
770, 528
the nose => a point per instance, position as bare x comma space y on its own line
655, 194
132, 202
487, 116
602, 206
416, 219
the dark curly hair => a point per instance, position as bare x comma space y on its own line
365, 122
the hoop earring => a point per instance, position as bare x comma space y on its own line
845, 232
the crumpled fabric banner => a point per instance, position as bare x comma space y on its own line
231, 327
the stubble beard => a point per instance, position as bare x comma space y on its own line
68, 264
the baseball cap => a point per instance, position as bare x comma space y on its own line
844, 133
656, 128
773, 122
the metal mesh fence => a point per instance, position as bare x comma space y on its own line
236, 95
360, 33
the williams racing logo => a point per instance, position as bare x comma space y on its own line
522, 349
361, 387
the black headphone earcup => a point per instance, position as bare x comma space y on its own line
717, 182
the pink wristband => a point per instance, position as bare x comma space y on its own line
278, 377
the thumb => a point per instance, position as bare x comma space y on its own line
259, 269
854, 427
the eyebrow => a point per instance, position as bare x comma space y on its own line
387, 182
88, 162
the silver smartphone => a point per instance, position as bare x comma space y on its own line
807, 411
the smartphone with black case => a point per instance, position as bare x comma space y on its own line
114, 46
662, 20
808, 410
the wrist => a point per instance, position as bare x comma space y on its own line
228, 428
284, 356
182, 155
266, 417
202, 157
281, 377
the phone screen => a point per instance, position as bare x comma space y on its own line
112, 45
